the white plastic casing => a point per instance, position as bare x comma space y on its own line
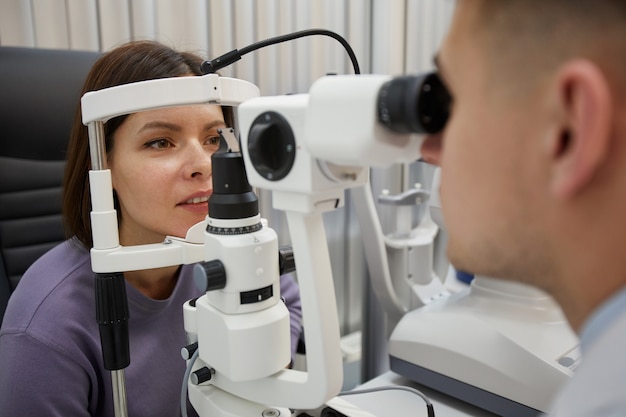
244, 347
305, 188
338, 138
251, 262
343, 127
105, 104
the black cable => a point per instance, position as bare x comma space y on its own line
214, 65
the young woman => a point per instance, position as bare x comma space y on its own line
160, 161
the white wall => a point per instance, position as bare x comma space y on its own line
388, 36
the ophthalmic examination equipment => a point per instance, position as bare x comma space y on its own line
237, 255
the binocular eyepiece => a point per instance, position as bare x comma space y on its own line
414, 104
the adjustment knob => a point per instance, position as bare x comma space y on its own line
286, 261
201, 375
188, 351
209, 276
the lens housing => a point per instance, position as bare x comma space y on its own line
232, 196
272, 146
414, 104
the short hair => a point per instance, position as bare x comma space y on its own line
538, 35
128, 63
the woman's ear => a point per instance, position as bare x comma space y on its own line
582, 138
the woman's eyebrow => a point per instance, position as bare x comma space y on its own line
159, 124
215, 123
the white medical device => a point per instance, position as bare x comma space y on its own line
307, 150
502, 346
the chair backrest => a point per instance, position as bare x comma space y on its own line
39, 93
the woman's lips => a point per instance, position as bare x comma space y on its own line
197, 200
196, 204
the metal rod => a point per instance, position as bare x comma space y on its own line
119, 393
97, 147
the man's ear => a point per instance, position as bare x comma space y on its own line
581, 141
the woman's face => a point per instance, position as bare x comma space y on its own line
161, 170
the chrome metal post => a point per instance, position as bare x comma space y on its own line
119, 393
97, 148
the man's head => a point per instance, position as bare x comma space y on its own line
532, 141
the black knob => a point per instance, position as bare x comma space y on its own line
286, 260
209, 276
201, 375
188, 351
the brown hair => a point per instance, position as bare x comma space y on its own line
131, 62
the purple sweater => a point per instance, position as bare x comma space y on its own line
50, 354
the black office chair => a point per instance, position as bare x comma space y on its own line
39, 92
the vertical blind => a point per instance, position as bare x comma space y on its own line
388, 36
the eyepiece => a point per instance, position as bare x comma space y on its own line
414, 104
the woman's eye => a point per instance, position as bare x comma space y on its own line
158, 144
213, 141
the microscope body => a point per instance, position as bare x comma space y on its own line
242, 329
329, 138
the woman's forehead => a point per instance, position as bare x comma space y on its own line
180, 112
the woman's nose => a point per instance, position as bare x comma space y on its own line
198, 162
431, 149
